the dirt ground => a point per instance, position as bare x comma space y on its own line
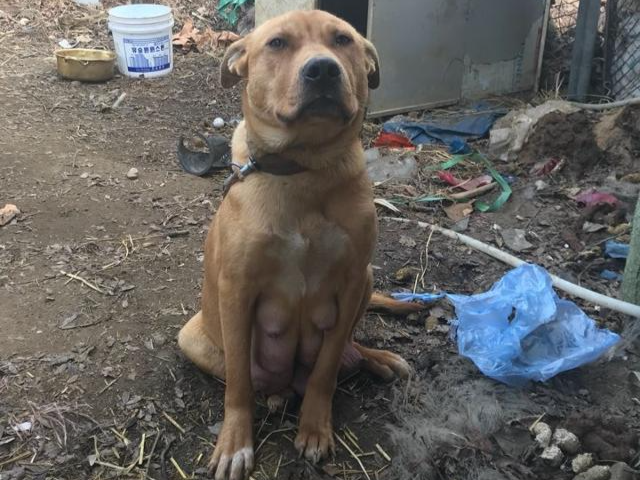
99, 272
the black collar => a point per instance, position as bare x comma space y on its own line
272, 164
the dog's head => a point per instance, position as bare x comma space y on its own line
303, 69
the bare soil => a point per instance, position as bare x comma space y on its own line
99, 272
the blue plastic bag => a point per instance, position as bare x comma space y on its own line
616, 249
420, 297
611, 275
520, 330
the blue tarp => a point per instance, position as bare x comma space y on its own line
453, 131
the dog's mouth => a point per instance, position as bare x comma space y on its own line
319, 107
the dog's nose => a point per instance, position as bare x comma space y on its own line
321, 71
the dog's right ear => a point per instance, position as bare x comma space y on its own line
235, 64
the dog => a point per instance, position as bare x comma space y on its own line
287, 256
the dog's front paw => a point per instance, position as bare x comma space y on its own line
315, 439
232, 458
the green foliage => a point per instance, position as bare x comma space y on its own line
228, 9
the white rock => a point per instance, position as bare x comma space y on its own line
23, 427
543, 434
582, 462
566, 440
84, 175
599, 472
541, 185
552, 455
218, 122
132, 173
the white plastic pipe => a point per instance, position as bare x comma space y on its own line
571, 288
606, 106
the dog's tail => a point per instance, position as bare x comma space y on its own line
386, 304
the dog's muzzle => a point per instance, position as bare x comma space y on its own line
322, 90
321, 74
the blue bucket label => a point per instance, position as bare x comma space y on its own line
148, 54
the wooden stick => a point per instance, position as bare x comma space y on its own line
109, 385
141, 453
15, 459
180, 471
384, 454
273, 432
537, 421
473, 193
357, 459
80, 279
117, 103
153, 449
568, 287
173, 422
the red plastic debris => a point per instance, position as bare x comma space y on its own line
592, 197
392, 140
466, 185
449, 178
548, 166
476, 182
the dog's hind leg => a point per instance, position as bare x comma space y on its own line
198, 347
384, 364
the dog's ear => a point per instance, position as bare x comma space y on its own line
235, 65
373, 65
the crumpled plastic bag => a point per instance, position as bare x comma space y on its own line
614, 249
520, 330
511, 132
420, 297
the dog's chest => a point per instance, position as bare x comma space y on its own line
309, 254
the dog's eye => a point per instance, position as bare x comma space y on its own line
342, 39
277, 43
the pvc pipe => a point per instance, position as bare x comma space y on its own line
568, 287
606, 106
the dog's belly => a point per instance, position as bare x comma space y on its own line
299, 305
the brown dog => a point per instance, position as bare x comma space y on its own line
287, 272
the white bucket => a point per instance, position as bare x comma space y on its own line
142, 38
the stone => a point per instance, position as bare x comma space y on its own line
543, 434
515, 239
218, 122
159, 339
552, 455
566, 440
582, 463
132, 174
599, 472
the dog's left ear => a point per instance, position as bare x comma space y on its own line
373, 65
235, 64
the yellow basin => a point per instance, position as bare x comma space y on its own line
85, 65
